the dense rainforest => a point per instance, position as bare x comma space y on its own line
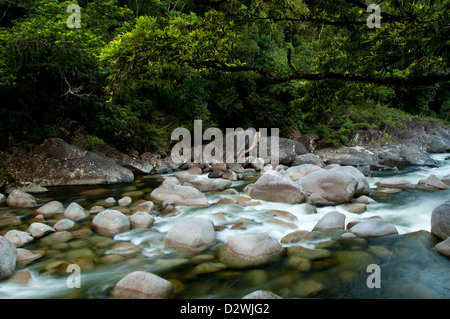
128, 72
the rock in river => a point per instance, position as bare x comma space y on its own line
142, 285
440, 220
110, 222
276, 187
17, 198
250, 250
181, 195
194, 235
7, 258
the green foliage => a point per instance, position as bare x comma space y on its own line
137, 69
88, 142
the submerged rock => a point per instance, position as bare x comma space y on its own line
75, 212
51, 208
262, 294
332, 220
18, 238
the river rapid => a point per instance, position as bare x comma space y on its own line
410, 268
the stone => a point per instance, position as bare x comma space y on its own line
332, 220
434, 183
262, 294
111, 222
443, 247
51, 208
24, 257
373, 228
124, 201
219, 167
208, 267
276, 187
308, 159
230, 175
141, 220
396, 182
17, 198
194, 170
209, 185
244, 251
355, 208
135, 165
193, 235
297, 172
288, 149
181, 195
364, 200
56, 162
75, 212
348, 156
2, 199
144, 206
38, 230
18, 238
8, 255
296, 236
184, 177
64, 224
215, 174
440, 220
142, 285
337, 185
257, 163
21, 278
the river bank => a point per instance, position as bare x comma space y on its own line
330, 264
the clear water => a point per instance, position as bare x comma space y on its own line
410, 268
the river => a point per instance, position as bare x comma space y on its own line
410, 268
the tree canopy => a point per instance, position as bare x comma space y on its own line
136, 69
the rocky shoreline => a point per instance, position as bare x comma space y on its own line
329, 177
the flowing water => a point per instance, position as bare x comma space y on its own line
409, 267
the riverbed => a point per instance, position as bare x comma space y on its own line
410, 268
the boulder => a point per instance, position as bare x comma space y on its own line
2, 199
250, 250
209, 185
440, 220
56, 162
51, 208
337, 185
181, 195
124, 201
18, 238
348, 156
276, 187
7, 258
332, 220
297, 172
111, 222
75, 212
374, 227
38, 230
193, 235
18, 198
446, 179
141, 220
142, 285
